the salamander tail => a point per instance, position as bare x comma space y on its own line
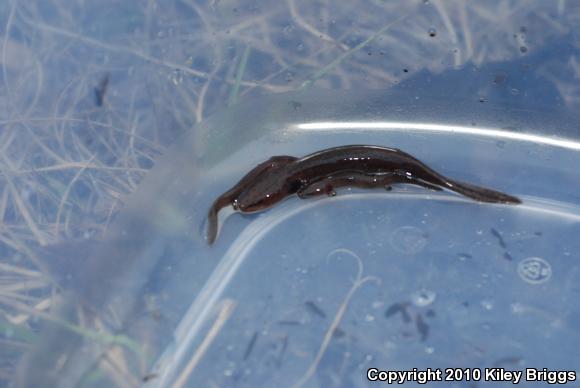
482, 194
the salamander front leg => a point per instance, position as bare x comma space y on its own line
328, 185
316, 188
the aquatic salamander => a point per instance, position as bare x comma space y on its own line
322, 172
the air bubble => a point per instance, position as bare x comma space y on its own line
423, 297
378, 304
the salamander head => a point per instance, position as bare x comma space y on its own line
266, 188
265, 193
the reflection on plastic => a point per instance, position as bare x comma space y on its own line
455, 129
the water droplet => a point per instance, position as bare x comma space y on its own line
300, 47
369, 318
423, 297
523, 49
487, 304
464, 256
288, 29
517, 308
408, 240
432, 32
535, 270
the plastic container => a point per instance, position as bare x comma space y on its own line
315, 292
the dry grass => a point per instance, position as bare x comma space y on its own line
67, 160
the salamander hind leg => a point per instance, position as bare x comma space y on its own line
427, 185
